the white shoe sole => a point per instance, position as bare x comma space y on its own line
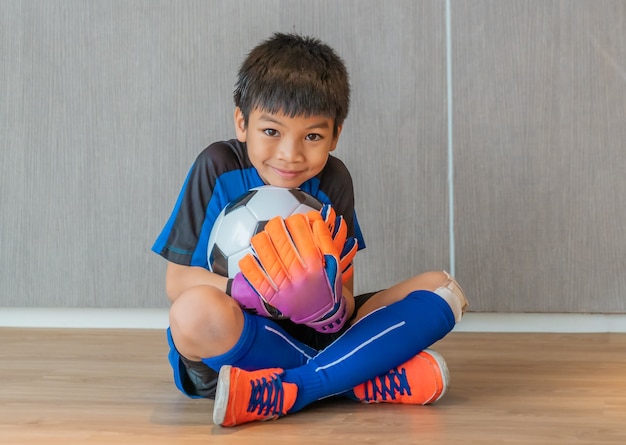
445, 374
221, 395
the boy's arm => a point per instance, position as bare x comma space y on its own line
179, 278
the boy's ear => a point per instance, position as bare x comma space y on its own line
336, 138
240, 125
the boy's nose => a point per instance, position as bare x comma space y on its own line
290, 150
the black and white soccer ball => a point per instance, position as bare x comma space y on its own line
244, 217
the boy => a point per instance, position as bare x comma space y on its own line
291, 98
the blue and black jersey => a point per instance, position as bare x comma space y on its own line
223, 172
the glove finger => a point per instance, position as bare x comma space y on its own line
340, 233
304, 242
349, 250
269, 258
345, 261
329, 216
336, 225
314, 215
324, 239
327, 212
282, 239
257, 277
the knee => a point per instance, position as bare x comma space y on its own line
431, 280
445, 286
204, 322
451, 292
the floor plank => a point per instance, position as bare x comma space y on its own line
75, 386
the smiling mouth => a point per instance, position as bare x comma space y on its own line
286, 173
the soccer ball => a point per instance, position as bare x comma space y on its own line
247, 215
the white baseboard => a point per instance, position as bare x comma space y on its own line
556, 323
84, 318
158, 319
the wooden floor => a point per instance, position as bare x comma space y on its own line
114, 387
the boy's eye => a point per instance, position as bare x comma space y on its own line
313, 137
270, 132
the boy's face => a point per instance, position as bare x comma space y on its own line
286, 151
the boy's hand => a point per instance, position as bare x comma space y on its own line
296, 271
339, 231
249, 298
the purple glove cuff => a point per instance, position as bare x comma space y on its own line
248, 299
333, 322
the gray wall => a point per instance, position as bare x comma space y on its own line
105, 104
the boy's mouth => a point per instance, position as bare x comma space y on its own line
286, 173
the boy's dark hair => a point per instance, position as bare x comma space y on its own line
296, 75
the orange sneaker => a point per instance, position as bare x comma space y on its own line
248, 396
422, 380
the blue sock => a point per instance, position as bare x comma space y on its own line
263, 344
380, 341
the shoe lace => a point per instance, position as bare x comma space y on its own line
389, 385
266, 397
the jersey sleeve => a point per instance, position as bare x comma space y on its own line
219, 174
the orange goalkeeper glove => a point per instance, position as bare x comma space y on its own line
295, 269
